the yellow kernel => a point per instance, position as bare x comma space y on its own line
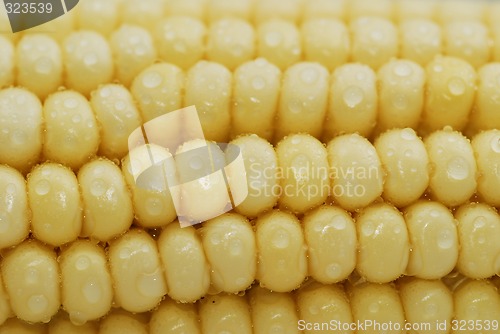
71, 135
7, 62
188, 274
101, 16
353, 101
421, 40
133, 50
256, 94
362, 8
136, 270
383, 245
282, 264
21, 133
460, 10
221, 9
411, 9
426, 301
289, 10
453, 167
355, 171
87, 55
486, 146
379, 303
231, 42
433, 238
208, 87
405, 161
174, 317
14, 212
330, 50
330, 235
303, 101
478, 231
374, 41
325, 9
279, 42
262, 175
106, 199
225, 313
180, 41
303, 167
450, 91
118, 321
196, 9
467, 40
117, 115
61, 324
15, 325
229, 244
5, 308
54, 199
31, 277
158, 90
144, 13
401, 94
273, 311
87, 291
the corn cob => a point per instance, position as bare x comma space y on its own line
421, 306
227, 255
473, 220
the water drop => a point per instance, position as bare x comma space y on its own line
90, 59
98, 187
215, 239
338, 223
153, 206
408, 153
78, 318
368, 228
32, 276
125, 253
276, 329
43, 65
438, 68
120, 105
313, 309
281, 239
82, 263
495, 144
377, 35
434, 213
296, 140
479, 222
18, 137
105, 92
42, 187
273, 38
400, 102
431, 308
390, 152
456, 86
445, 239
481, 239
458, 169
258, 83
152, 80
294, 107
76, 119
10, 188
408, 134
150, 285
333, 270
235, 247
309, 75
92, 291
38, 303
353, 96
403, 70
70, 103
374, 307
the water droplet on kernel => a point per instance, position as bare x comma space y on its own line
42, 187
120, 105
456, 86
258, 83
235, 247
92, 291
434, 213
32, 276
82, 263
431, 308
294, 107
152, 80
76, 119
400, 102
353, 96
339, 223
98, 187
314, 309
78, 318
479, 222
445, 239
150, 285
333, 270
495, 144
273, 38
458, 169
408, 134
90, 59
18, 137
38, 303
374, 307
377, 35
125, 253
43, 65
438, 68
309, 75
390, 152
153, 206
276, 329
105, 92
10, 188
403, 70
296, 140
281, 239
368, 228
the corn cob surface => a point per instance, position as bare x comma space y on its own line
373, 181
